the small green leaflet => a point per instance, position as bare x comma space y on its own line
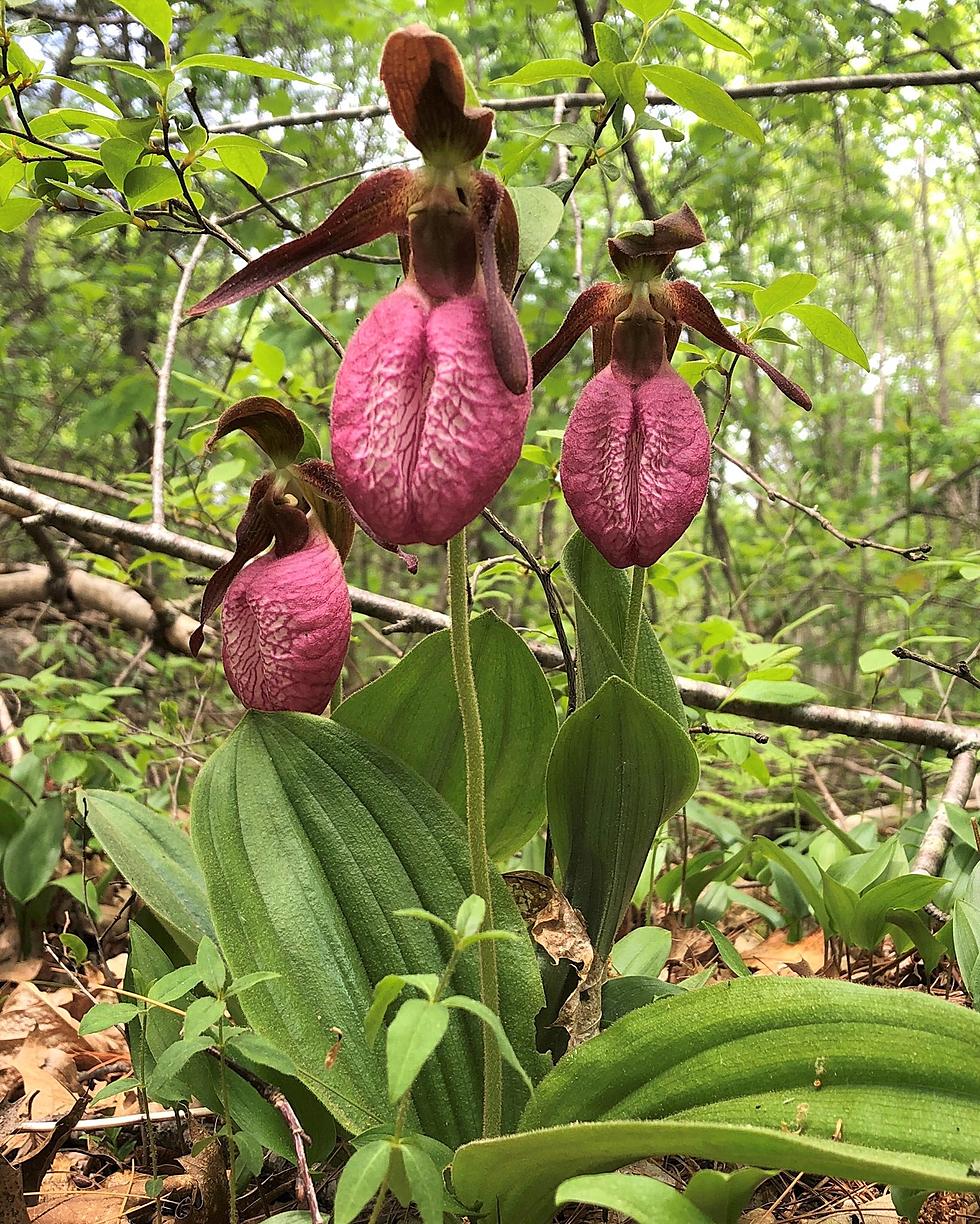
154, 14
706, 99
832, 332
241, 63
712, 34
783, 292
545, 70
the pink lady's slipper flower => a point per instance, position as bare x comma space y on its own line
433, 393
286, 620
635, 460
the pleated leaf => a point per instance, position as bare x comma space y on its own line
412, 710
309, 837
621, 766
601, 601
820, 1076
156, 857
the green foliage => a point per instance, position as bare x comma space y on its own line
309, 837
518, 717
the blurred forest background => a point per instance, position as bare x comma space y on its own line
873, 192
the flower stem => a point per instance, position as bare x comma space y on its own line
634, 615
459, 637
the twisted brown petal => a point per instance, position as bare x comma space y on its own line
263, 521
376, 207
271, 426
599, 303
691, 307
426, 87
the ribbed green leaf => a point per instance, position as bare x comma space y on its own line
643, 1199
309, 837
601, 601
412, 711
620, 767
756, 1071
157, 860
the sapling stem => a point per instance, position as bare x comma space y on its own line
459, 637
634, 615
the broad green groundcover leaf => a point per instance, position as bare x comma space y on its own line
643, 1199
157, 860
309, 837
516, 709
601, 601
620, 767
755, 1071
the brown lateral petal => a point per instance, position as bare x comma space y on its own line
320, 478
271, 425
693, 309
253, 535
426, 87
602, 338
508, 239
375, 207
600, 302
506, 338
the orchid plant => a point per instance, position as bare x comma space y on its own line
343, 860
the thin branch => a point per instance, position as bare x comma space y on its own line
961, 670
113, 1122
932, 848
917, 553
706, 729
305, 1190
73, 478
701, 694
765, 89
163, 382
548, 587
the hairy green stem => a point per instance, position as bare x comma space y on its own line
634, 615
459, 637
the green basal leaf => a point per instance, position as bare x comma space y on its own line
643, 1199
803, 1074
601, 601
519, 726
309, 837
157, 860
621, 766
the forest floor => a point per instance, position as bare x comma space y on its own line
89, 1165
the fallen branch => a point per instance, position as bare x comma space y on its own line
916, 553
765, 89
96, 594
701, 694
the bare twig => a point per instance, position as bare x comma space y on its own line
74, 479
932, 848
857, 723
548, 587
916, 553
765, 89
833, 807
163, 382
705, 729
45, 1127
960, 670
305, 1190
